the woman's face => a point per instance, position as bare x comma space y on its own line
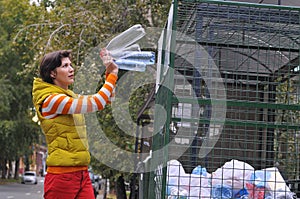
63, 76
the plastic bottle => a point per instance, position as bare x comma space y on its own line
221, 191
136, 61
125, 39
126, 52
176, 193
131, 65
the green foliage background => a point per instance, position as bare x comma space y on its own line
29, 30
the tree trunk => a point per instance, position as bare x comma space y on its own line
4, 169
17, 165
133, 191
120, 188
105, 189
9, 172
26, 161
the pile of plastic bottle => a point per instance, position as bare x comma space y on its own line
234, 180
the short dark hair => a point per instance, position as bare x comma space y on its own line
50, 62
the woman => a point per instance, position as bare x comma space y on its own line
60, 112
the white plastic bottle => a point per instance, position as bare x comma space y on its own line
176, 193
131, 65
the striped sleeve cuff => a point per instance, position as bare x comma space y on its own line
112, 78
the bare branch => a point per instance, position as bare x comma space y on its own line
29, 26
149, 16
53, 33
79, 44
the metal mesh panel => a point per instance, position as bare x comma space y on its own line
253, 51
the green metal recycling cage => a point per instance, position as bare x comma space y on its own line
227, 114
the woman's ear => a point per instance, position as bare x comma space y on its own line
53, 74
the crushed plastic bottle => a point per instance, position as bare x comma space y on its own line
124, 40
176, 193
130, 65
127, 53
199, 171
136, 61
147, 57
221, 191
129, 49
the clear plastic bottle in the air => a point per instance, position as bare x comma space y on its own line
126, 52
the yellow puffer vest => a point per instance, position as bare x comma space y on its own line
66, 134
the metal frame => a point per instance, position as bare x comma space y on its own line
256, 48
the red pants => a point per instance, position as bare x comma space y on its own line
73, 185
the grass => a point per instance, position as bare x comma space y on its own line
8, 181
111, 196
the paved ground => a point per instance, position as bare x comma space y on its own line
99, 197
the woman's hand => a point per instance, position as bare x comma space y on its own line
108, 62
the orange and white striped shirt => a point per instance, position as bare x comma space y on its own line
57, 104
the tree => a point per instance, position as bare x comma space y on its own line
285, 140
81, 26
18, 131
